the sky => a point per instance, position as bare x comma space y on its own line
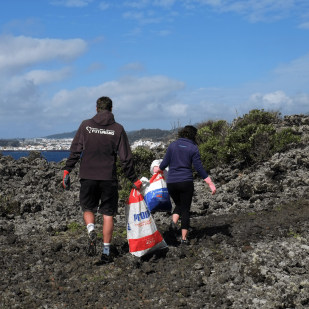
164, 63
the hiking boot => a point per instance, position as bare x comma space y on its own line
92, 250
184, 242
173, 227
105, 259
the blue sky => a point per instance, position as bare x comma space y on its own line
164, 63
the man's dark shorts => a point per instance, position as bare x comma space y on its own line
99, 196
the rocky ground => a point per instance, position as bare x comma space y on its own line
249, 244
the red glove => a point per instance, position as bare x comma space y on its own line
66, 182
211, 185
137, 184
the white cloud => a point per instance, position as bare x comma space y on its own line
177, 110
304, 25
39, 77
276, 100
164, 3
21, 51
21, 84
24, 26
71, 3
133, 15
164, 33
95, 66
296, 66
143, 17
253, 10
292, 76
104, 6
134, 99
280, 101
22, 79
146, 3
19, 97
137, 4
133, 67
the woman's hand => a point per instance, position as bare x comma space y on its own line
211, 185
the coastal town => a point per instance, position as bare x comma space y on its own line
47, 144
39, 144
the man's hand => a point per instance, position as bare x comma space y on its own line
66, 182
137, 184
211, 185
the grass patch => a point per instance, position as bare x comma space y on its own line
75, 227
294, 234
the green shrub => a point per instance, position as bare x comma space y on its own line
9, 206
251, 143
142, 157
211, 138
249, 139
213, 152
74, 227
261, 143
219, 129
284, 138
256, 117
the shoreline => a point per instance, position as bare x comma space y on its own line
29, 150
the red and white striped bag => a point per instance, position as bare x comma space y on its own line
143, 236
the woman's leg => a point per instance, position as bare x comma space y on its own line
182, 194
186, 194
175, 217
174, 194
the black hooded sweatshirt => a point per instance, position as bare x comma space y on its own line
98, 141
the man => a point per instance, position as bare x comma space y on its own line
97, 142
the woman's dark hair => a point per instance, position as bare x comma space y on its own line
188, 132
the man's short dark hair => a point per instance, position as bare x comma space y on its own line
188, 132
104, 103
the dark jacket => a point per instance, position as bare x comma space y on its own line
98, 141
180, 156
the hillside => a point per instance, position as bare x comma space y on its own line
147, 134
248, 243
61, 135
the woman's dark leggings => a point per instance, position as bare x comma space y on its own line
182, 193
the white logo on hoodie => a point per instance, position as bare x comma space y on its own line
100, 131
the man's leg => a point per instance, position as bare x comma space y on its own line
108, 208
108, 228
88, 217
89, 221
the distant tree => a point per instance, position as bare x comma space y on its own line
9, 142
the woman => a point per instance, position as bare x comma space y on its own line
180, 156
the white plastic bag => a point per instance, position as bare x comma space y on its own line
153, 164
143, 236
157, 163
156, 194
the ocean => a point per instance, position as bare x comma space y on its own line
50, 155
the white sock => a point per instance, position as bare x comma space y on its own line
106, 247
90, 227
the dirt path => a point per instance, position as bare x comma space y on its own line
52, 271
